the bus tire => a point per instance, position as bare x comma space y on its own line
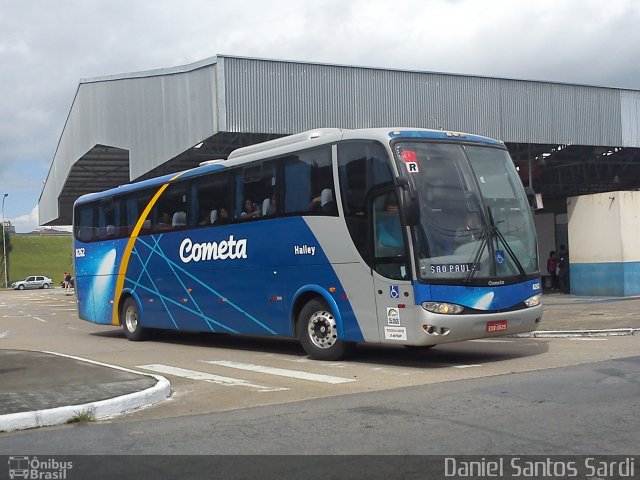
318, 332
130, 320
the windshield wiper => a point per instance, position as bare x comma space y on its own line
484, 241
511, 253
507, 247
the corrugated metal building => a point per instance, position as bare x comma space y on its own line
567, 139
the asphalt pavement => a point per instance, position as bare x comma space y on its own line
41, 388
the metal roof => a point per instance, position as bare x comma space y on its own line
137, 125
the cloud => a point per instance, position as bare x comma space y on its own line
26, 223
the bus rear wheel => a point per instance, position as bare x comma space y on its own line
318, 332
130, 320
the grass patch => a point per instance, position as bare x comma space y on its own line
47, 255
83, 416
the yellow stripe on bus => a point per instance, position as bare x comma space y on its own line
124, 263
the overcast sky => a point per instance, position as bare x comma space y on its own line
47, 46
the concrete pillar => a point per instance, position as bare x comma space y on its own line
604, 244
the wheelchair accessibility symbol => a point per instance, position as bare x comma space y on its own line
394, 291
500, 257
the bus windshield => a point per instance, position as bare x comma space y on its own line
475, 222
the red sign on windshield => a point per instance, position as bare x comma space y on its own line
410, 160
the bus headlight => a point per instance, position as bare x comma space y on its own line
533, 301
441, 307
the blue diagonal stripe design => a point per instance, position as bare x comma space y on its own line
207, 319
138, 284
155, 288
175, 268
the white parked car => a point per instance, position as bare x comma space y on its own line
34, 281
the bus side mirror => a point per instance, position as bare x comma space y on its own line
534, 199
409, 204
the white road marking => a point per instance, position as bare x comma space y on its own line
281, 372
4, 334
472, 365
208, 377
588, 339
41, 319
489, 340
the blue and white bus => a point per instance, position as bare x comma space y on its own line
412, 237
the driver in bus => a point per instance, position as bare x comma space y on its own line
389, 229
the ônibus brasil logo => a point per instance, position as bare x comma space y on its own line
197, 252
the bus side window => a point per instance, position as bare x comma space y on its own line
308, 183
131, 207
211, 199
171, 210
256, 191
106, 219
85, 222
362, 166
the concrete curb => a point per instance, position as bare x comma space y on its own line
612, 332
100, 410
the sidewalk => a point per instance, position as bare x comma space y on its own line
570, 313
39, 388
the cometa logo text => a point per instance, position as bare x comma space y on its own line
221, 250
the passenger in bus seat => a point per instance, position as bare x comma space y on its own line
164, 223
269, 205
251, 210
222, 217
205, 216
324, 202
179, 219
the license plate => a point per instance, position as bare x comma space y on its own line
497, 326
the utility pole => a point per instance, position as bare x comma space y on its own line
4, 244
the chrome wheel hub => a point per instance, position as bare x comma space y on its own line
322, 329
131, 319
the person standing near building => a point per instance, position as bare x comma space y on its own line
552, 269
563, 268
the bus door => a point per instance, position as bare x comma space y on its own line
390, 265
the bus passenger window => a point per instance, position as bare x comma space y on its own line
309, 187
211, 194
171, 212
255, 190
84, 223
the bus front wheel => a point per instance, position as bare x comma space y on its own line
130, 320
318, 332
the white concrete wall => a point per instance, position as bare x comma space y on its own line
629, 225
604, 247
594, 228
